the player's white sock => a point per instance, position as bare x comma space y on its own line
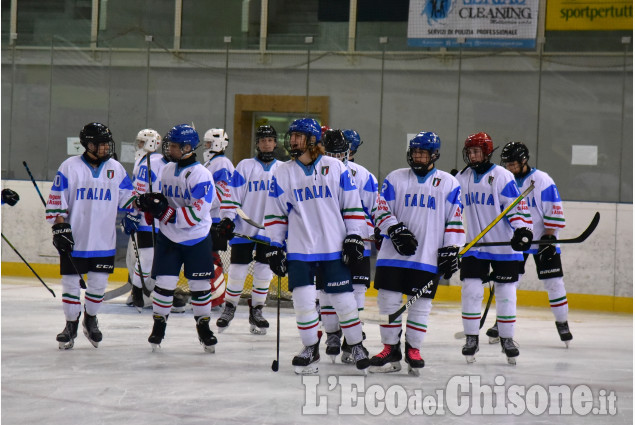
305, 314
346, 309
506, 308
471, 300
330, 322
163, 294
262, 279
359, 290
389, 302
235, 282
201, 297
557, 298
95, 288
417, 322
71, 292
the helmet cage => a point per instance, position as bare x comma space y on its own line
427, 141
311, 130
151, 139
335, 145
478, 140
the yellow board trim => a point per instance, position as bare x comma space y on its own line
444, 293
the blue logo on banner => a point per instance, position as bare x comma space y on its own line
436, 10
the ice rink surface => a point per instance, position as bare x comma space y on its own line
124, 382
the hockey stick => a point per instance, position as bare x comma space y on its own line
82, 283
578, 239
154, 243
420, 292
136, 253
248, 220
34, 184
123, 289
27, 264
275, 363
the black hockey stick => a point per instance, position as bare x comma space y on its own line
34, 184
392, 317
27, 264
578, 239
275, 363
136, 253
154, 243
82, 283
461, 334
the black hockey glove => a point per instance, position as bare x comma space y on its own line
156, 204
521, 241
63, 238
353, 249
277, 261
378, 238
10, 197
130, 223
402, 239
547, 252
448, 260
225, 229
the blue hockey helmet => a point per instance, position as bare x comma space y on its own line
426, 140
307, 126
183, 134
352, 137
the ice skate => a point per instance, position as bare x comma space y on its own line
414, 360
66, 338
347, 354
91, 330
137, 298
179, 303
470, 348
205, 335
388, 360
492, 333
305, 363
360, 354
158, 331
510, 348
226, 317
257, 324
564, 332
333, 344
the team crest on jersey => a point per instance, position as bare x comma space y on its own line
325, 170
490, 180
353, 172
436, 181
110, 174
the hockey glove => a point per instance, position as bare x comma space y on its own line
547, 252
378, 238
402, 239
63, 238
225, 229
353, 249
277, 261
448, 260
130, 223
521, 241
157, 204
10, 197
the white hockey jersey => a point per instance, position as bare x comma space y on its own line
429, 206
484, 197
190, 191
140, 183
88, 198
222, 171
544, 203
249, 191
368, 188
316, 206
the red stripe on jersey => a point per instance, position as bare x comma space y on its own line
271, 223
454, 231
560, 226
201, 304
350, 326
416, 329
227, 208
190, 222
70, 302
356, 217
390, 326
553, 305
506, 321
303, 328
327, 313
521, 219
472, 318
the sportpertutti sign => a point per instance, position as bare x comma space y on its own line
589, 15
473, 23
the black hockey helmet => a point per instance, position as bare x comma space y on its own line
262, 132
97, 133
514, 151
335, 144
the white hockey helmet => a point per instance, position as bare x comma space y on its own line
218, 138
151, 140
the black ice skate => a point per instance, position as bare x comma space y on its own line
333, 344
347, 351
305, 363
158, 331
66, 338
257, 324
414, 360
470, 348
360, 354
564, 332
137, 298
205, 335
226, 317
91, 330
492, 333
510, 348
388, 360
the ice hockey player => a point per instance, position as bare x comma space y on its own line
222, 169
251, 182
183, 210
139, 226
87, 191
10, 197
315, 192
547, 215
336, 146
487, 189
354, 141
420, 210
